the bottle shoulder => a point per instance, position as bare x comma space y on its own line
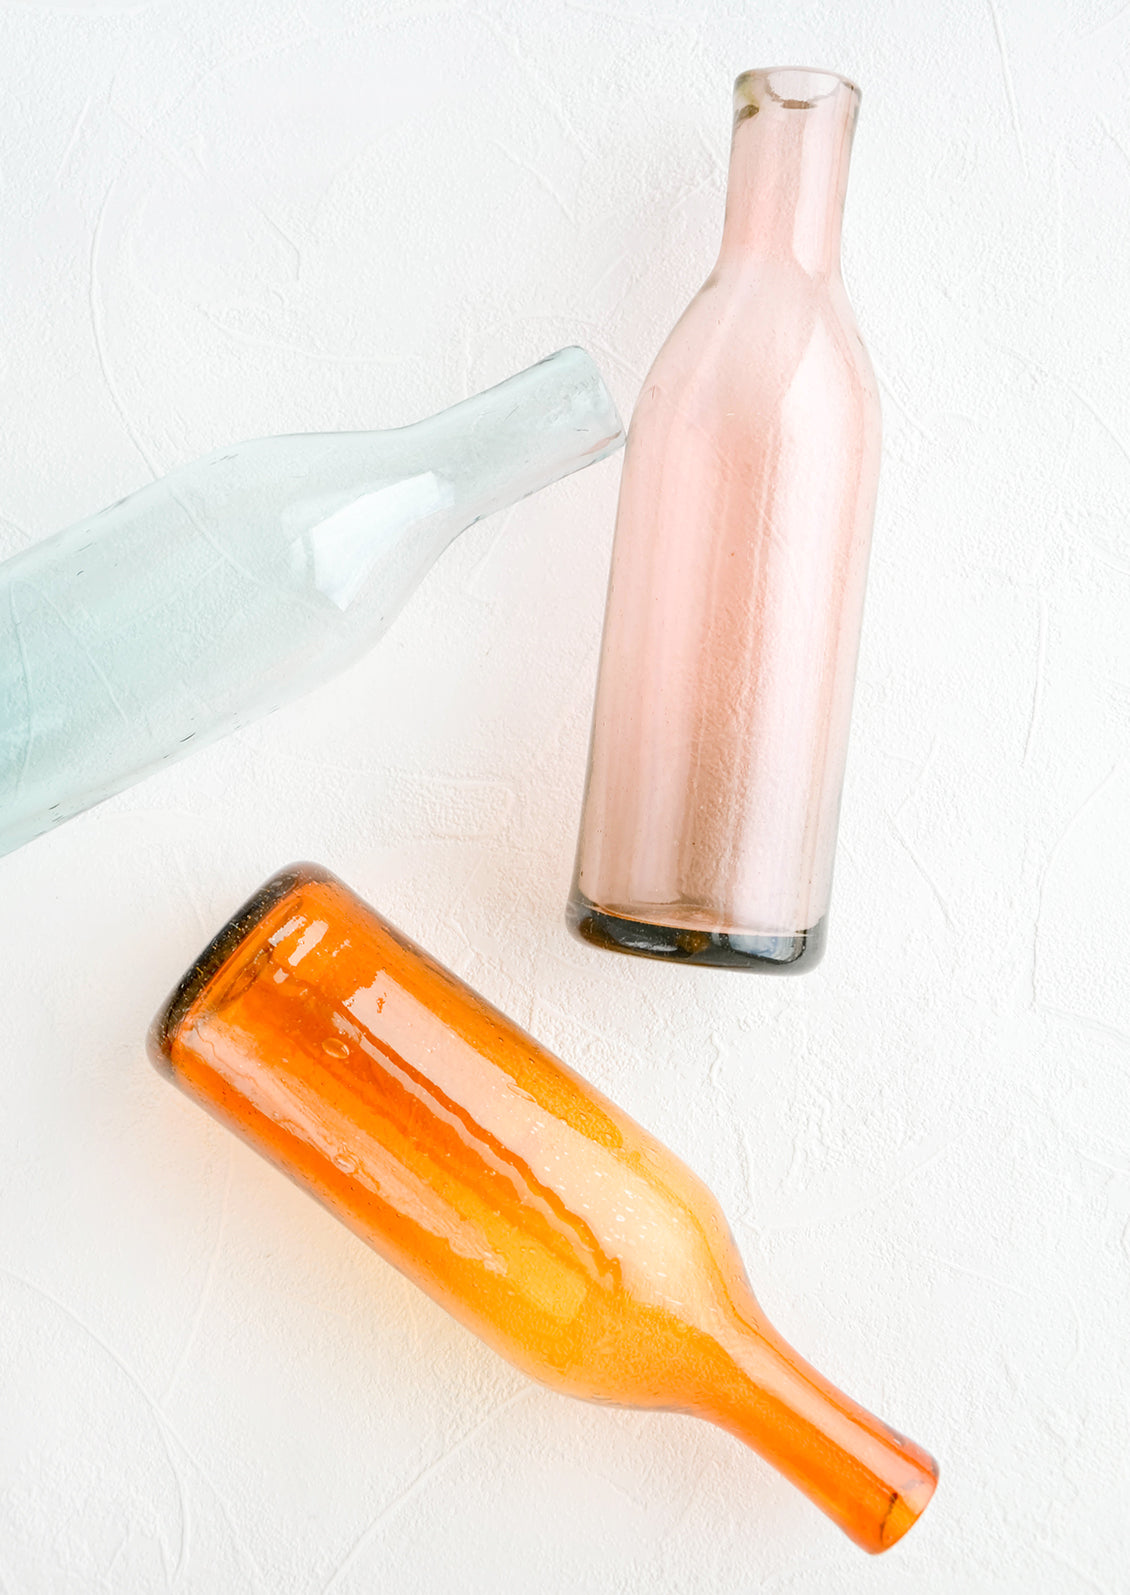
754, 330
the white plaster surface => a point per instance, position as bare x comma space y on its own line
229, 219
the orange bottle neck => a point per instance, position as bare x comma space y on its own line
870, 1480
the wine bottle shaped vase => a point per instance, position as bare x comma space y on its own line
738, 567
517, 1196
233, 585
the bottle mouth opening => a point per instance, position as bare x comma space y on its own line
793, 88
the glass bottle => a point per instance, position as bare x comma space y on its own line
738, 568
233, 585
518, 1197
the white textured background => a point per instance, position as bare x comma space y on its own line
228, 219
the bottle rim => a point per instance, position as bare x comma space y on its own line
808, 85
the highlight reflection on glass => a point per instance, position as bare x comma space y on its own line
518, 1197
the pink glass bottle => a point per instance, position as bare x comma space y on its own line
738, 569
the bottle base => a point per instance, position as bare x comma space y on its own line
767, 955
223, 944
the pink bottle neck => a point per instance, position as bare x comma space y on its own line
789, 169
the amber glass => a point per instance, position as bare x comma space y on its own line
736, 593
517, 1196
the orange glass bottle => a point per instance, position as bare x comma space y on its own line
512, 1192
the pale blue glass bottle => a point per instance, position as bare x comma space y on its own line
239, 582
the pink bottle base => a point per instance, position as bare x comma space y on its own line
766, 955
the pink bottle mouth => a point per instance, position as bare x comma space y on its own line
796, 88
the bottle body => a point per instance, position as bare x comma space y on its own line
231, 586
736, 592
524, 1202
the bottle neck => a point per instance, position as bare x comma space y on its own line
789, 168
401, 496
869, 1480
536, 427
